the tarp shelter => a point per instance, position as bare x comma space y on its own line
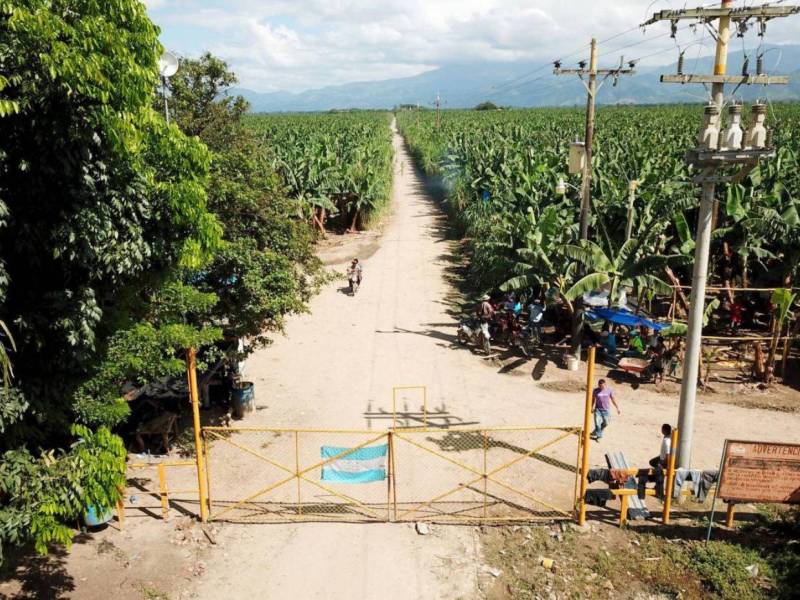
621, 316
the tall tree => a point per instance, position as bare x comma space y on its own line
266, 268
102, 201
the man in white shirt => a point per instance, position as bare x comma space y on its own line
660, 461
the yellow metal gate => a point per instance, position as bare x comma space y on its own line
497, 474
453, 474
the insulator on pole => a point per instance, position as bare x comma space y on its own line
582, 64
762, 27
741, 29
673, 27
746, 66
760, 64
770, 135
680, 63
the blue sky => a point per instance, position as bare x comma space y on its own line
296, 45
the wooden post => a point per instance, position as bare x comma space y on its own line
191, 372
394, 472
121, 513
297, 469
729, 516
587, 415
162, 489
623, 510
670, 477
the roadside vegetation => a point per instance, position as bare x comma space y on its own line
760, 561
337, 167
124, 240
502, 172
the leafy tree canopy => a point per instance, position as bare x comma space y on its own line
101, 206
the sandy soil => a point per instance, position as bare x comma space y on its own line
335, 368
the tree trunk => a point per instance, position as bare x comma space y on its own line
577, 328
758, 361
745, 279
673, 279
773, 347
354, 222
791, 332
727, 281
318, 221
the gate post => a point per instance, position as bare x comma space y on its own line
670, 483
587, 412
390, 483
191, 372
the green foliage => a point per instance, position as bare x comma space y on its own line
500, 169
101, 203
12, 406
782, 299
722, 567
266, 268
40, 494
341, 162
102, 197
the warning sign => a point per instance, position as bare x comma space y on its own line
760, 472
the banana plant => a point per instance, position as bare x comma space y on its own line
782, 299
625, 268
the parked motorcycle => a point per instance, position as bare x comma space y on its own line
529, 339
475, 332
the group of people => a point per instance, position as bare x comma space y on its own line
506, 318
640, 344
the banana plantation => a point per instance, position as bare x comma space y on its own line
336, 166
509, 192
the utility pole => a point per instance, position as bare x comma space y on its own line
720, 157
591, 88
438, 103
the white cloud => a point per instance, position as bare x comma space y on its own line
296, 45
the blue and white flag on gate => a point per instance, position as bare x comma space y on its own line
359, 466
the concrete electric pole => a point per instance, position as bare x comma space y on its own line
591, 88
718, 151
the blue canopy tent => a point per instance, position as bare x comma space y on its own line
621, 316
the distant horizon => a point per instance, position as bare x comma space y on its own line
298, 47
526, 86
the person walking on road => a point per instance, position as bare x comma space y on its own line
602, 399
354, 274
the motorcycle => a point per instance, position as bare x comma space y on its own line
476, 332
529, 339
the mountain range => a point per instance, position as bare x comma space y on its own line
529, 84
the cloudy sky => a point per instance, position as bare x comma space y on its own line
296, 45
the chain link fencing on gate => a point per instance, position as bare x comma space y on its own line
274, 475
494, 474
479, 475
